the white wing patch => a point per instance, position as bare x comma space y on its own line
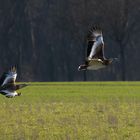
93, 52
95, 45
9, 76
9, 94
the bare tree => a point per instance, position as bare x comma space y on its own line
121, 33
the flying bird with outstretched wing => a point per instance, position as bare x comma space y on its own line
95, 51
8, 85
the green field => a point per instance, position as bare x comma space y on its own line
72, 111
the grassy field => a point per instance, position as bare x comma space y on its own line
72, 111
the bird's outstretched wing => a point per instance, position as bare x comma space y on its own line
95, 44
9, 77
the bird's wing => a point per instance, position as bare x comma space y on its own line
9, 77
95, 44
9, 87
8, 93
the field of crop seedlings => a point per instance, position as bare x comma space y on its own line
72, 111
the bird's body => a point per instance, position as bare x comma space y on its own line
8, 86
95, 64
95, 52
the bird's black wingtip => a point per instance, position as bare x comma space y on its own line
13, 68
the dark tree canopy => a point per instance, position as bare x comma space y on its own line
46, 39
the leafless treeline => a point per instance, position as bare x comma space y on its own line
46, 39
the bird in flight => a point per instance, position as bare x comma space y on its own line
95, 51
8, 86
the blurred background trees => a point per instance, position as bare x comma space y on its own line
46, 39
